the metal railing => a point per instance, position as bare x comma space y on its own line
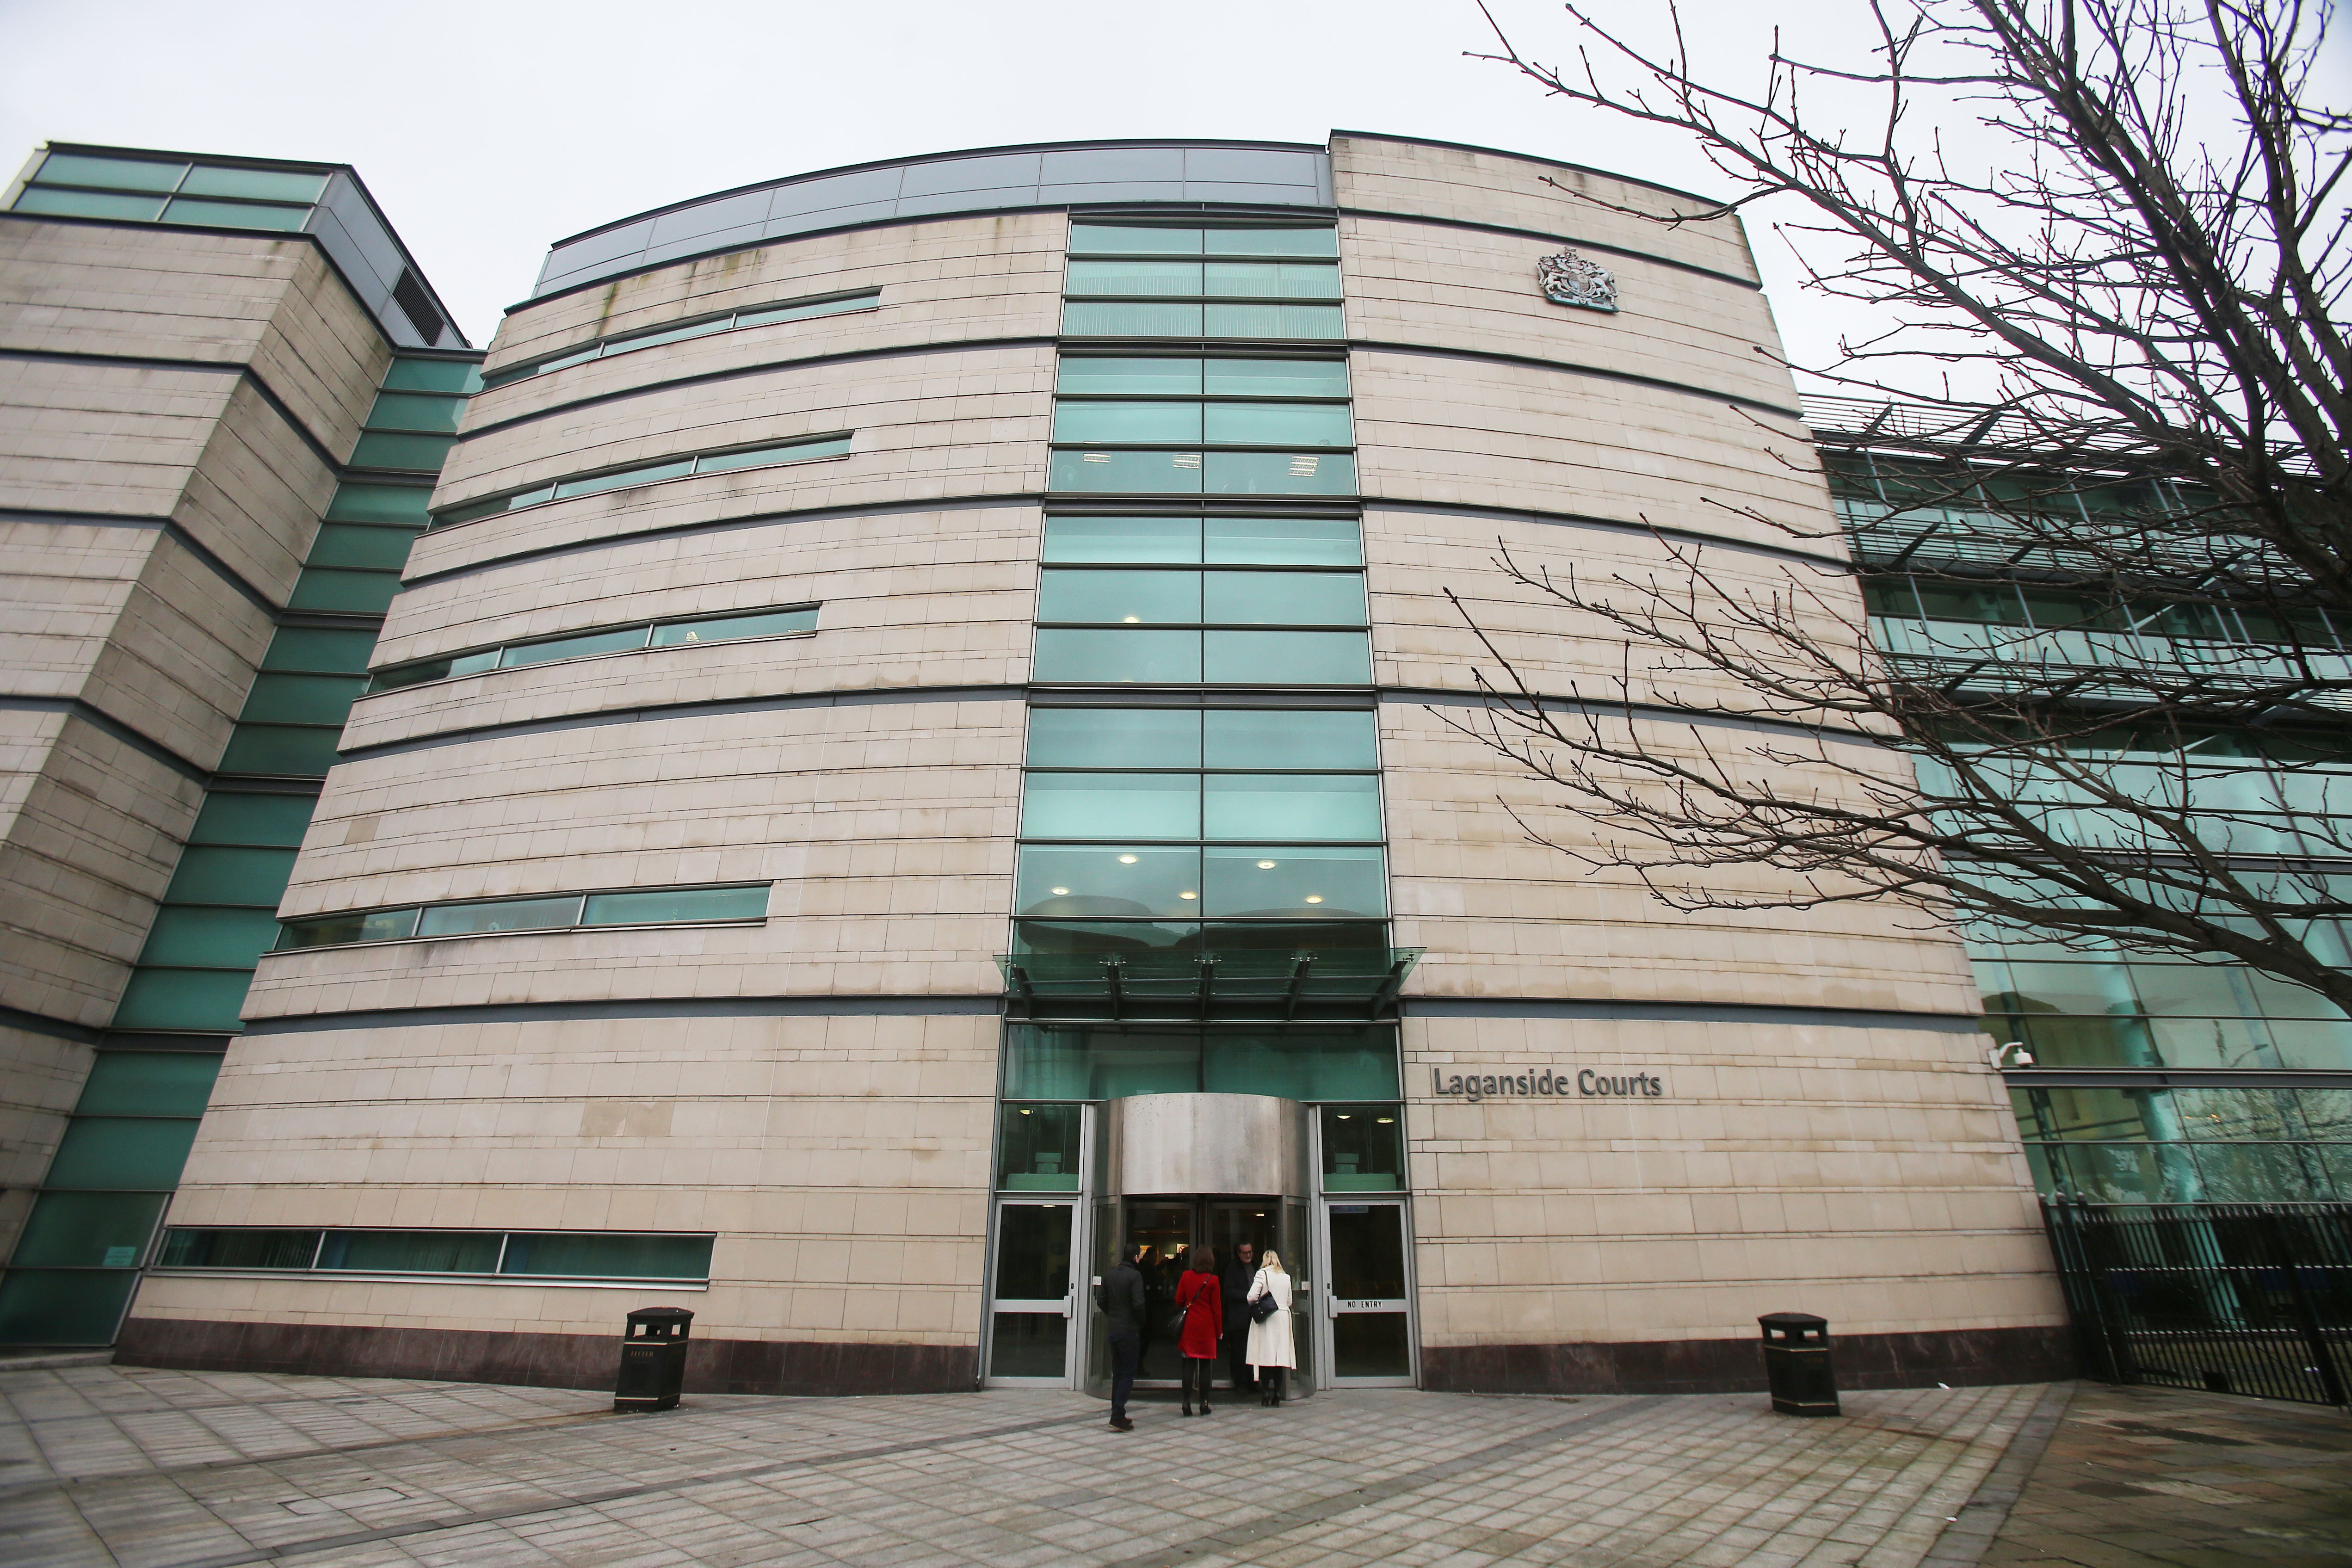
2251, 1299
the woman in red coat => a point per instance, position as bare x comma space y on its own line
1203, 1301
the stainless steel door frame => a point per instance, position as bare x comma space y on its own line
1333, 1305
1074, 1306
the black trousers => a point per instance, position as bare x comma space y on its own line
1198, 1373
1237, 1351
1125, 1350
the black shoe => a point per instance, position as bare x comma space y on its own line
1122, 1423
1188, 1410
1204, 1407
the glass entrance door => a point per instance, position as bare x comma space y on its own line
1367, 1298
1030, 1298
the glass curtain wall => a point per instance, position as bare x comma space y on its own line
93, 1226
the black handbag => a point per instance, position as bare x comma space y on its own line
1265, 1307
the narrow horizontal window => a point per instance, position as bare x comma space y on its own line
1154, 319
1294, 541
1262, 739
236, 214
799, 621
1152, 239
1151, 656
801, 451
749, 316
1111, 471
1256, 807
557, 911
590, 1255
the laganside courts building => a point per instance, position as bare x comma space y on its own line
903, 728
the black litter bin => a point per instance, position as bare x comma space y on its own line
1796, 1363
653, 1359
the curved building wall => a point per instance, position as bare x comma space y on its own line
815, 1089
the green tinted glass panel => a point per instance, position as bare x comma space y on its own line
1270, 281
149, 1083
45, 1306
866, 301
1280, 473
1117, 657
382, 450
1037, 1148
375, 925
1126, 473
509, 914
1280, 424
1091, 318
1109, 882
1289, 738
1173, 280
627, 640
1126, 422
1274, 882
1131, 597
1261, 598
411, 1251
1078, 1062
764, 456
400, 505
1284, 542
433, 375
597, 483
210, 875
113, 173
202, 1001
1111, 805
312, 648
301, 698
89, 1230
1363, 1148
88, 204
1114, 736
590, 1257
415, 411
664, 905
203, 938
400, 674
261, 185
348, 592
117, 1152
1273, 322
732, 628
281, 750
1301, 1065
236, 214
1137, 538
1152, 377
187, 1248
1277, 378
1271, 242
1292, 805
364, 548
229, 817
1292, 658
1132, 239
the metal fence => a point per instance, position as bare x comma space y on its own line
2229, 1298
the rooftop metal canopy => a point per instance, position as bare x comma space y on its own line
1350, 986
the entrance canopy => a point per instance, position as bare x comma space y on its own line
1344, 985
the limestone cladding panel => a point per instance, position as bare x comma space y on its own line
63, 588
256, 495
178, 660
40, 1078
1502, 917
842, 1162
140, 292
90, 831
941, 282
907, 599
1471, 185
956, 422
887, 828
1461, 289
1870, 1175
1421, 638
1434, 428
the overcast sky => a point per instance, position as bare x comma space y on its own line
488, 128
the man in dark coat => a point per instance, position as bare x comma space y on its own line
1236, 1283
1122, 1304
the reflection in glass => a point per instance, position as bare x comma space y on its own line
1363, 1148
1170, 280
1284, 598
1108, 737
1298, 322
1154, 376
378, 925
1174, 540
1097, 319
1370, 1344
1275, 378
1298, 658
1137, 239
1027, 1344
1292, 807
1104, 937
1267, 281
1108, 882
1078, 1062
1286, 882
732, 628
412, 1251
1274, 425
1290, 738
1301, 1064
511, 914
521, 654
1032, 1251
1126, 473
1126, 422
1367, 1251
1284, 542
1111, 805
1037, 1148
1119, 655
677, 905
1281, 473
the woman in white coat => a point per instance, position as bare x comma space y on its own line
1272, 1353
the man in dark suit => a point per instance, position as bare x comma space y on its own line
1122, 1297
1235, 1286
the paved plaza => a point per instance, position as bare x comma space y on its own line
166, 1469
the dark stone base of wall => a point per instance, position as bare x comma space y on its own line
540, 1361
1963, 1358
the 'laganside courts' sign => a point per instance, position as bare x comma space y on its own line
1589, 1083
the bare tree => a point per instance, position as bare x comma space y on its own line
2098, 471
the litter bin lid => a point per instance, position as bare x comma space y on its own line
677, 1315
1793, 1320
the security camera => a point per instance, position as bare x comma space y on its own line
2019, 1056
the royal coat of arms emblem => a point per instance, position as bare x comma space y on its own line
1569, 280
